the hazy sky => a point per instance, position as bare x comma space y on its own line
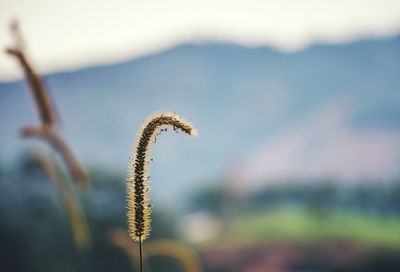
72, 33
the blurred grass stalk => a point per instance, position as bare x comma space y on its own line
163, 247
46, 110
39, 92
46, 132
54, 140
69, 201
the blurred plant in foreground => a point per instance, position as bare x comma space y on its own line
47, 132
46, 111
68, 199
163, 247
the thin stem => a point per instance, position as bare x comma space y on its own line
140, 255
75, 169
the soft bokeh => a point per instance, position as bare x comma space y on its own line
296, 167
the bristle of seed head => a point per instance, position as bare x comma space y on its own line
139, 206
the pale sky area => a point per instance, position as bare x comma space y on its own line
63, 35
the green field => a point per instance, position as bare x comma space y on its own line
301, 226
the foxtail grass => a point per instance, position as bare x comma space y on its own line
70, 202
35, 83
139, 206
46, 109
53, 139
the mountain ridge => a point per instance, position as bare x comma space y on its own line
211, 42
246, 95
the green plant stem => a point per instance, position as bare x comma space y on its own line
140, 255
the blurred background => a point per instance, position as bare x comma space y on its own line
297, 104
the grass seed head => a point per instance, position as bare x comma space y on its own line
139, 206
